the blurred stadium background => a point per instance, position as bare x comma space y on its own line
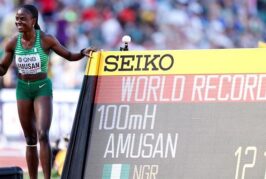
152, 24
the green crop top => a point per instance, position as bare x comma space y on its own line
31, 61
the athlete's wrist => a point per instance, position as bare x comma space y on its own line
82, 52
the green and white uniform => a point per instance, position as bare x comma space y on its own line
32, 61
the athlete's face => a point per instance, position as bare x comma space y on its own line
24, 20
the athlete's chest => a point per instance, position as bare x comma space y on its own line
28, 63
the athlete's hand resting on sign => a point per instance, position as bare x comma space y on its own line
88, 51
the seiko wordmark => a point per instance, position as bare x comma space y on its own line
154, 62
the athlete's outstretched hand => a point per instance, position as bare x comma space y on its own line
88, 51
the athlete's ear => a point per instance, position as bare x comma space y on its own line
34, 21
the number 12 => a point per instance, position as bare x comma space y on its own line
238, 154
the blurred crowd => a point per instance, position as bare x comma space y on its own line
152, 24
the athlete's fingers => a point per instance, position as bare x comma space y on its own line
88, 51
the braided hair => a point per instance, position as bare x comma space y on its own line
34, 12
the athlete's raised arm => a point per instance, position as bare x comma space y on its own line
53, 44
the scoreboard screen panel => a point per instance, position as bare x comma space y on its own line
179, 114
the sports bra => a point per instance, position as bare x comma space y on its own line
31, 61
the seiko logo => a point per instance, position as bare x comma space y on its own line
138, 62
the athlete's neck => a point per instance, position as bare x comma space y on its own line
29, 35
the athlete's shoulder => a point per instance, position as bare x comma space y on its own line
12, 41
47, 38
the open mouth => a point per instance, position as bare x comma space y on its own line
20, 26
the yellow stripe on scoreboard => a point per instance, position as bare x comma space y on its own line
92, 68
166, 62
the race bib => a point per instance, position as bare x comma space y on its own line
28, 64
